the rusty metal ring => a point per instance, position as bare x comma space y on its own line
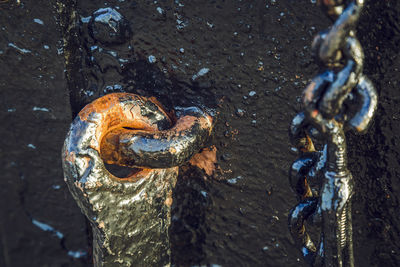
135, 131
82, 147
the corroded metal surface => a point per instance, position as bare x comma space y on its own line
130, 216
32, 186
339, 98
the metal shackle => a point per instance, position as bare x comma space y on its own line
130, 216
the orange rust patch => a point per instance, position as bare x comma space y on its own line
109, 151
308, 92
184, 123
117, 115
307, 190
70, 156
136, 176
205, 160
306, 145
100, 105
168, 201
314, 113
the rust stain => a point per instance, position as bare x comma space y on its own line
306, 145
205, 160
307, 190
137, 175
183, 124
314, 113
70, 157
168, 201
308, 93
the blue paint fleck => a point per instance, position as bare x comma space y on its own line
38, 21
201, 72
86, 19
40, 109
22, 50
152, 59
77, 254
234, 180
47, 228
32, 146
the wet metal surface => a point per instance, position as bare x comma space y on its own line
130, 216
325, 118
252, 61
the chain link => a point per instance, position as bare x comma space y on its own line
338, 99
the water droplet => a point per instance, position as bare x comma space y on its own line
31, 146
38, 21
152, 59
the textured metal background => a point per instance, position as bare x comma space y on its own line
238, 217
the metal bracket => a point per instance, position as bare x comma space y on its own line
130, 216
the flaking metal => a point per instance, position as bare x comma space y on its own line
338, 99
130, 216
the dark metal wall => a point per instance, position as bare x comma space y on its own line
257, 54
40, 225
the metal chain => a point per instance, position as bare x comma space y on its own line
338, 99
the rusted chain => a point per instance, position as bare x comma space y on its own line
130, 216
339, 98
